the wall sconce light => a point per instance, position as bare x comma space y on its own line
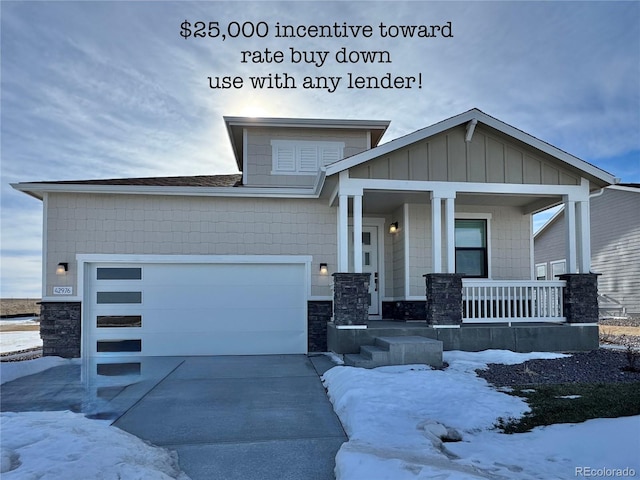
323, 269
62, 269
393, 228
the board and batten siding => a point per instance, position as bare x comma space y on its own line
488, 158
259, 152
615, 245
159, 225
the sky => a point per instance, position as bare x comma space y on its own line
107, 89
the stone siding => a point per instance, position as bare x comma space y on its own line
580, 302
444, 298
60, 329
351, 298
404, 310
318, 315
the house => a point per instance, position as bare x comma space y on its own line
323, 240
615, 247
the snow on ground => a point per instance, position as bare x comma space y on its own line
54, 445
395, 418
11, 370
15, 341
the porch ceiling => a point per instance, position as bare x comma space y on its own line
383, 202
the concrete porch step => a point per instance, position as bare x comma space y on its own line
375, 353
400, 350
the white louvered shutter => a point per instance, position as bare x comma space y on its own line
330, 154
308, 156
285, 158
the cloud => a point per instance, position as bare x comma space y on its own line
110, 89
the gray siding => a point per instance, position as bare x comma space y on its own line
615, 245
488, 158
156, 225
259, 158
510, 242
550, 244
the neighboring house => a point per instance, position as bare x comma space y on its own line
615, 246
323, 230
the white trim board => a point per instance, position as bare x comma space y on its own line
478, 116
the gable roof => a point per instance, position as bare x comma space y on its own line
472, 117
624, 187
236, 125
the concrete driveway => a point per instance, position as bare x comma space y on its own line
244, 417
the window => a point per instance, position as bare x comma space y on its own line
118, 297
303, 157
119, 273
541, 271
113, 321
557, 268
471, 248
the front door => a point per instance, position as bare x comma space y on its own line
369, 263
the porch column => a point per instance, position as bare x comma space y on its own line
584, 236
436, 233
444, 299
343, 233
357, 233
570, 234
450, 235
580, 299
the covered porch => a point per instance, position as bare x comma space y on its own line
437, 228
428, 233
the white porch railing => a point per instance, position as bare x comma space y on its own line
488, 301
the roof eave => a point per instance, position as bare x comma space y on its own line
603, 178
37, 190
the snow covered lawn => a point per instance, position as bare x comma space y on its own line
396, 416
12, 341
55, 445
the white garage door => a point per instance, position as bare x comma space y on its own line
195, 309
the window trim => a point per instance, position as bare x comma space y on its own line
298, 146
538, 265
557, 262
487, 217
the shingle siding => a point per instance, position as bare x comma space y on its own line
259, 158
134, 224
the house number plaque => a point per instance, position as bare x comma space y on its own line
63, 290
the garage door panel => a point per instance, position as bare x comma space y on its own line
169, 322
186, 297
236, 343
225, 274
205, 309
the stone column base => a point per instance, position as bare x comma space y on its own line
444, 298
351, 298
580, 301
60, 329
